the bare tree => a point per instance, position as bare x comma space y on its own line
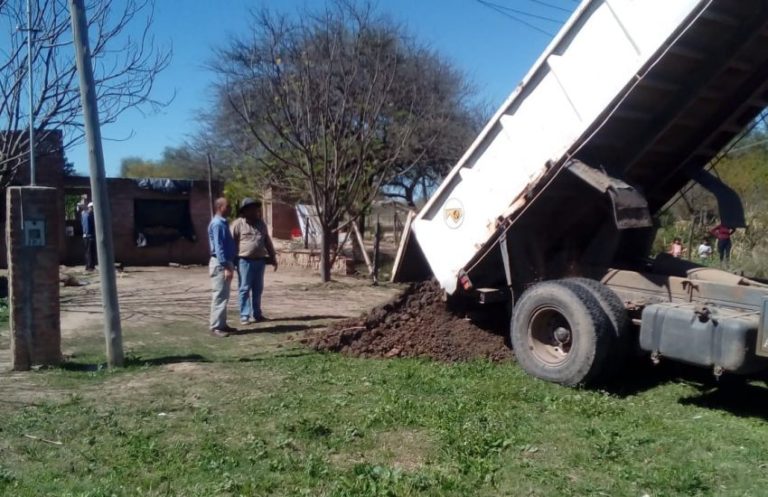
317, 93
449, 120
125, 58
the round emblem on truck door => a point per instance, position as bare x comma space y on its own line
453, 213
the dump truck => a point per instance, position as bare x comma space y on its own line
553, 209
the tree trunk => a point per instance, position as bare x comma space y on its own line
325, 254
409, 196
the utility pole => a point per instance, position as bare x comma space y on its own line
210, 183
30, 33
104, 248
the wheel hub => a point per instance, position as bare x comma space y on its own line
550, 336
562, 335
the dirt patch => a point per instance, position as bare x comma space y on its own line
406, 450
416, 323
155, 379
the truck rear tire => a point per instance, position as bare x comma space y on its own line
617, 313
560, 333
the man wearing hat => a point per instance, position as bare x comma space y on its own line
254, 252
89, 237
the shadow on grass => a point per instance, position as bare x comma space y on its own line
294, 353
133, 361
278, 328
639, 375
730, 393
310, 318
742, 400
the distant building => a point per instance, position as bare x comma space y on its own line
280, 214
154, 222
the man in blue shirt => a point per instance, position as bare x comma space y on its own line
221, 267
89, 237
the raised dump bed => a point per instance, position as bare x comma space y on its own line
628, 104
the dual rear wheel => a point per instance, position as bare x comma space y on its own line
572, 331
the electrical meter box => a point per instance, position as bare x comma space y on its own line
34, 233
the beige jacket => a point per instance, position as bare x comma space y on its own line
252, 240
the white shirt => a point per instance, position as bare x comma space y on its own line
705, 250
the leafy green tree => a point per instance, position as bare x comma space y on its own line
176, 163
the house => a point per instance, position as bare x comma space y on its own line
154, 221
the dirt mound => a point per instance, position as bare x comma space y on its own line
416, 323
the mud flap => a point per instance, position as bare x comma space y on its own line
630, 209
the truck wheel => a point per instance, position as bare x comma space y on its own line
560, 333
617, 314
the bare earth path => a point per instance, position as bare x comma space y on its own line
157, 298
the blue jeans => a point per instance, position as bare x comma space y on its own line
250, 277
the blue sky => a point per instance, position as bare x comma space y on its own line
494, 51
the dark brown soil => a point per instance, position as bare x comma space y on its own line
416, 323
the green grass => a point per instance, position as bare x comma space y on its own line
255, 415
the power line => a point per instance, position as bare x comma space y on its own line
551, 6
520, 12
501, 11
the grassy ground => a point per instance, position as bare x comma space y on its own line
259, 415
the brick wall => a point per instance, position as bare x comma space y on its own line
33, 278
280, 214
122, 193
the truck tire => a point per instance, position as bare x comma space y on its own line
617, 314
560, 333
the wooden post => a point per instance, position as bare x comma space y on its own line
376, 240
360, 241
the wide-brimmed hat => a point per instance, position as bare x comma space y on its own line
248, 201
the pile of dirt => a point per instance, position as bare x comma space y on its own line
416, 323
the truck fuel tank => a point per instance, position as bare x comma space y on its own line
703, 335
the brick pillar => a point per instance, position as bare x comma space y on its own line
33, 225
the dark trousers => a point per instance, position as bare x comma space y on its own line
90, 252
724, 249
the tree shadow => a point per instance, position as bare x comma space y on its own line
294, 353
310, 317
278, 328
163, 360
132, 361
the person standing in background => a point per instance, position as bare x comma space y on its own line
705, 250
89, 237
723, 234
676, 250
82, 204
221, 268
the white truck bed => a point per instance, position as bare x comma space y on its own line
598, 53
